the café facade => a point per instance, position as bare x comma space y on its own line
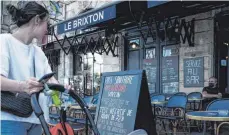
179, 44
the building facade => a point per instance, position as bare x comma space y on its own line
179, 50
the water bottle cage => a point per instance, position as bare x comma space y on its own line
64, 95
64, 98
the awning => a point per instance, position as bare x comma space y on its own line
182, 8
116, 14
99, 27
151, 4
122, 15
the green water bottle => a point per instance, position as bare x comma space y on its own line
55, 98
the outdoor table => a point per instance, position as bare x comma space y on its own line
215, 116
154, 103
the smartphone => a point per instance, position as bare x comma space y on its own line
46, 77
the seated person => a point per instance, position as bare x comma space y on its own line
211, 92
226, 94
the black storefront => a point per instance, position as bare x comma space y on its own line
149, 33
154, 45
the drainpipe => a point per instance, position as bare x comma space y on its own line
228, 71
93, 75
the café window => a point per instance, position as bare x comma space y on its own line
170, 88
171, 50
150, 53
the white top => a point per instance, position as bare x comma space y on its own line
17, 64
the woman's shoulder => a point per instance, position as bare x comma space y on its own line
4, 36
38, 50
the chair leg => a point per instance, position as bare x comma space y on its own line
198, 126
174, 127
215, 128
187, 128
163, 124
204, 130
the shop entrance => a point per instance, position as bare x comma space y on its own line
221, 51
159, 60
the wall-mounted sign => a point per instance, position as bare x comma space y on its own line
150, 66
194, 72
87, 20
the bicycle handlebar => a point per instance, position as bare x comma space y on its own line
39, 113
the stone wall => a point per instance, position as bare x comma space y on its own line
203, 47
6, 22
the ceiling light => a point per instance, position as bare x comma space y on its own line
133, 46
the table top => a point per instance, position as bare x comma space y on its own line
208, 115
158, 102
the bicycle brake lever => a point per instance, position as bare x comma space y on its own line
46, 90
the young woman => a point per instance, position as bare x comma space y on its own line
21, 62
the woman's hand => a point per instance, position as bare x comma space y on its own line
31, 86
68, 87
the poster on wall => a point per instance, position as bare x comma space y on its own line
150, 66
194, 72
170, 69
170, 74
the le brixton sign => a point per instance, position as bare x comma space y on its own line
87, 19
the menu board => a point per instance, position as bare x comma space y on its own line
150, 66
124, 104
170, 69
194, 72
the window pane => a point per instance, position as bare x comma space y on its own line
152, 87
171, 50
133, 61
170, 88
150, 53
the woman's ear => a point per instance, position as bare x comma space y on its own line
37, 20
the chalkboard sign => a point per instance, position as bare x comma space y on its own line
150, 66
194, 72
124, 104
170, 69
